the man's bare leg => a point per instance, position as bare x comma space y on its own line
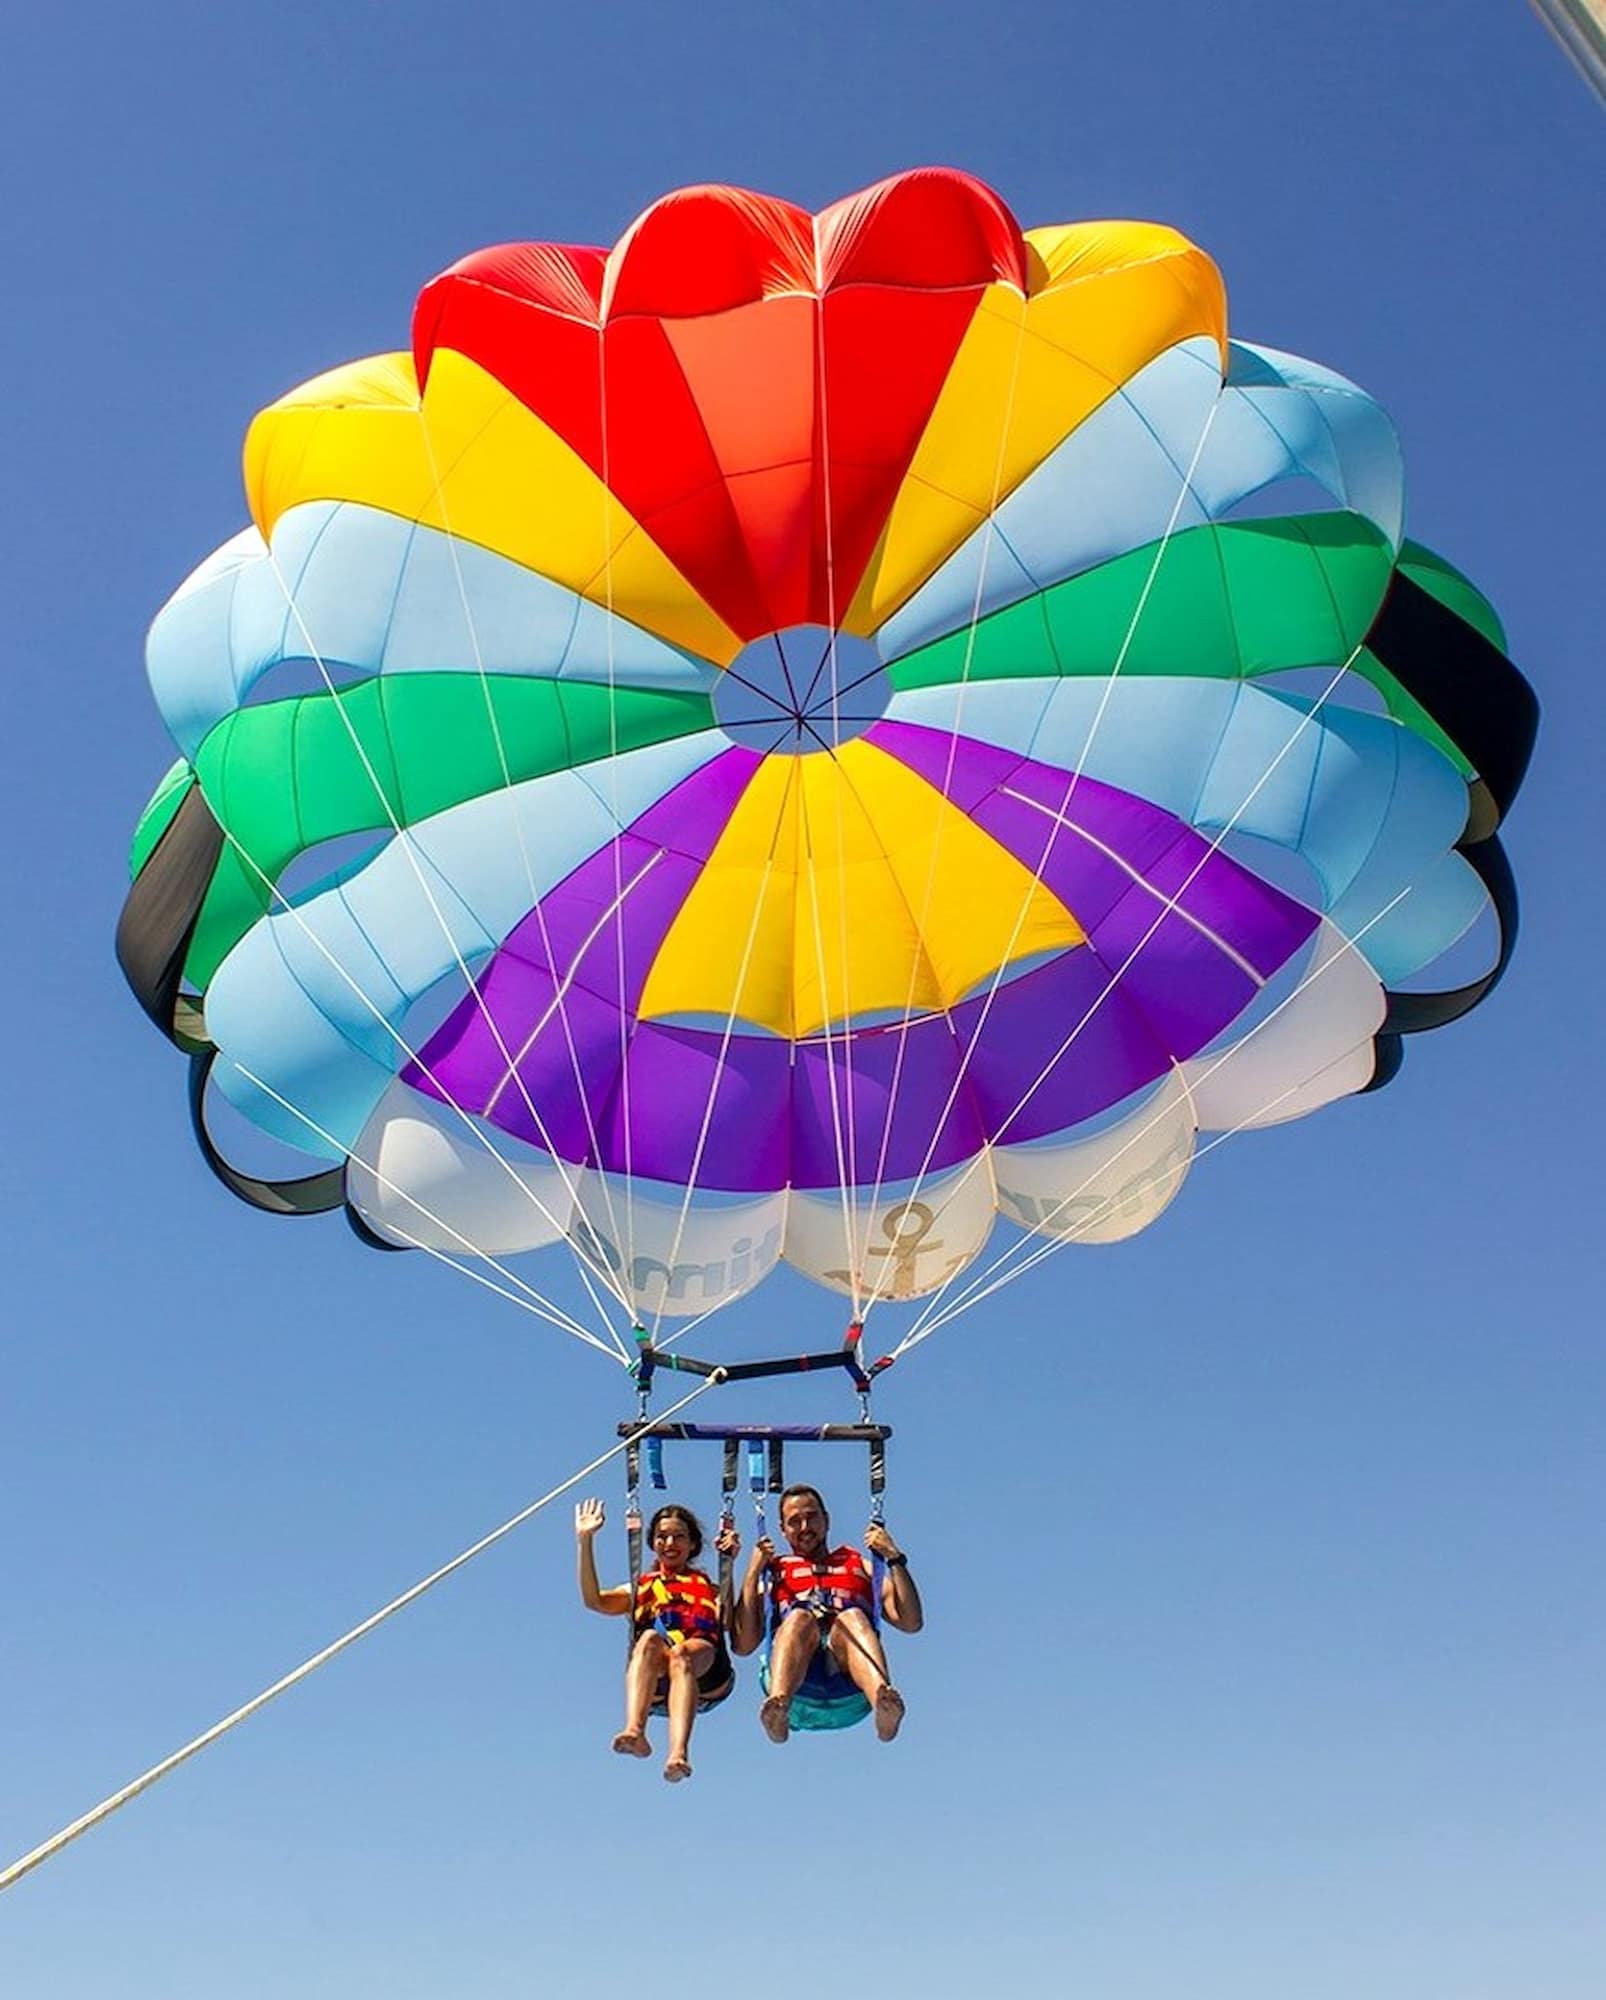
794, 1645
684, 1661
646, 1669
857, 1646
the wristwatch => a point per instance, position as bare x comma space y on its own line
899, 1561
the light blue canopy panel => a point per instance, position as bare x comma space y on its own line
1365, 804
1119, 481
367, 592
312, 999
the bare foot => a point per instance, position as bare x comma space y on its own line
888, 1713
776, 1718
632, 1743
676, 1769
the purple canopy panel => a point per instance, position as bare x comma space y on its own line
1059, 1044
546, 1045
611, 913
675, 1079
1116, 863
615, 907
878, 1148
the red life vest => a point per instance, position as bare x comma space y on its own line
840, 1581
684, 1605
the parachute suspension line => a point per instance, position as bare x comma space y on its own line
627, 1245
531, 1300
713, 1094
409, 847
490, 1285
571, 1186
842, 1118
1168, 904
690, 1327
985, 1283
1056, 824
839, 1137
989, 529
719, 1067
980, 1290
46, 1849
919, 957
1131, 632
615, 1350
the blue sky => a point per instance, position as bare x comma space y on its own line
1263, 1555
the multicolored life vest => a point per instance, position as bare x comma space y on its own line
838, 1582
683, 1604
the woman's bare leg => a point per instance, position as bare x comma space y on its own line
643, 1674
684, 1662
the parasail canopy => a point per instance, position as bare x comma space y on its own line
798, 737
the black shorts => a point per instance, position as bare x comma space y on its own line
713, 1683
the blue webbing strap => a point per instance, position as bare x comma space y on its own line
878, 1487
633, 1525
756, 1483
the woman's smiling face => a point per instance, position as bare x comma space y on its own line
671, 1542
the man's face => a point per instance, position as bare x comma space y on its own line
805, 1523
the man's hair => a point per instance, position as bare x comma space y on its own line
796, 1492
673, 1511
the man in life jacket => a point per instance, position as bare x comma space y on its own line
822, 1635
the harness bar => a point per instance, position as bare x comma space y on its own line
871, 1434
650, 1358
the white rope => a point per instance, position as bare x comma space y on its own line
536, 905
1006, 957
409, 848
841, 1110
1166, 906
978, 1287
690, 1326
838, 1137
46, 1849
533, 1301
616, 1348
985, 1290
1148, 586
479, 1278
627, 1239
989, 530
718, 1071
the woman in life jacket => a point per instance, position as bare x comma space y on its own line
679, 1663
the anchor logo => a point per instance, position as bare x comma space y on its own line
906, 1229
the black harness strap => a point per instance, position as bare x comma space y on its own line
727, 1520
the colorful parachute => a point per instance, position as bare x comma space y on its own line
799, 736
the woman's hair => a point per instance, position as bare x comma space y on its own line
673, 1511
